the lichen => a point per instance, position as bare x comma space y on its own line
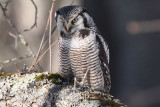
105, 99
38, 85
23, 90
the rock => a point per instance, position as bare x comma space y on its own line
47, 90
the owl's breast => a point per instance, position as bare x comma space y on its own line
84, 56
79, 53
80, 50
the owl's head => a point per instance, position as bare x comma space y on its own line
71, 19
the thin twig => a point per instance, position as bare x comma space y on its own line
15, 37
50, 35
35, 21
41, 44
72, 2
53, 30
8, 19
15, 59
4, 9
26, 45
45, 52
7, 3
40, 47
16, 30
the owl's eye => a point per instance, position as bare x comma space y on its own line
74, 20
62, 20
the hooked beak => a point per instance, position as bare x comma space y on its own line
67, 27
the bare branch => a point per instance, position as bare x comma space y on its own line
7, 2
50, 36
14, 59
40, 47
45, 53
15, 37
31, 54
26, 45
35, 21
42, 44
42, 41
9, 20
72, 2
16, 30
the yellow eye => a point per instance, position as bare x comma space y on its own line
62, 20
74, 20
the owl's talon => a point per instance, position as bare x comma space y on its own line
75, 83
82, 82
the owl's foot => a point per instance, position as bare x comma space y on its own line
82, 82
75, 83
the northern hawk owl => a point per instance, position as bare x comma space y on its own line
82, 49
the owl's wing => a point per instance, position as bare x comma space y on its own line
104, 60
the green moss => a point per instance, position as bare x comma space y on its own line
4, 75
9, 74
38, 85
55, 81
114, 103
40, 77
54, 77
106, 99
11, 85
81, 100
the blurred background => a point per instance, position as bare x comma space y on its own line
131, 28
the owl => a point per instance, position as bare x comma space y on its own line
81, 48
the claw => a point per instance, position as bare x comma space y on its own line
82, 82
75, 83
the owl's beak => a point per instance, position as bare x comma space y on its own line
67, 27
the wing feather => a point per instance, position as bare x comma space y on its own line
104, 60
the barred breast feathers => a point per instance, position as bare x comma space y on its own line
84, 56
64, 66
